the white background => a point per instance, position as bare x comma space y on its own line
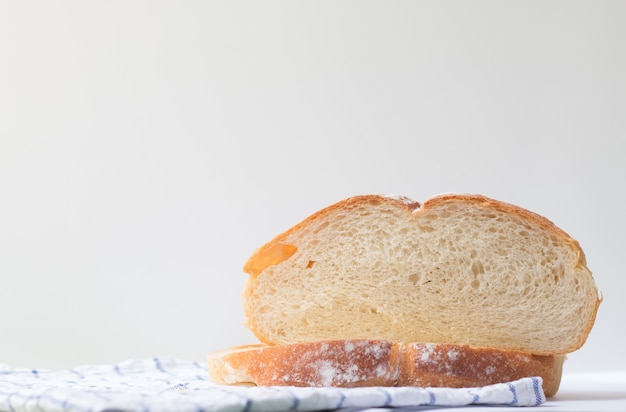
147, 148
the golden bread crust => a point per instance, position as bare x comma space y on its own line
356, 363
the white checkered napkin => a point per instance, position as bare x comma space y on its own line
161, 384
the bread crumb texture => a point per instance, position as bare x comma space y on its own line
461, 269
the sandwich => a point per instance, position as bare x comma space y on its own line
460, 291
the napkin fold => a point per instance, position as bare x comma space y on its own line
163, 384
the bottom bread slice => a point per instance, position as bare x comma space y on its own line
353, 363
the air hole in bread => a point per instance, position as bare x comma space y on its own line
321, 227
310, 264
477, 268
414, 278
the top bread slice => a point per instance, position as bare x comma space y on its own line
459, 269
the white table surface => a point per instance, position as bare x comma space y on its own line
601, 391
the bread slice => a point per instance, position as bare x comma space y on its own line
354, 363
459, 269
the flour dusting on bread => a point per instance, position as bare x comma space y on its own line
383, 363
